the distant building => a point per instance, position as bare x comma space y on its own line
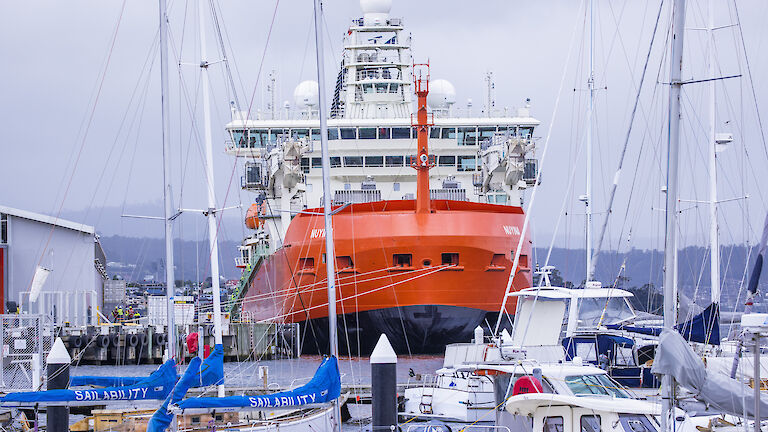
70, 251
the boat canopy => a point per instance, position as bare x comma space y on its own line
199, 373
156, 386
526, 404
675, 357
702, 328
104, 381
325, 386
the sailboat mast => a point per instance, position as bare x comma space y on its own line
714, 241
590, 121
170, 280
670, 232
330, 260
211, 212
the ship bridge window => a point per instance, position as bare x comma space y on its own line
300, 133
381, 88
238, 137
275, 134
384, 133
450, 259
393, 88
401, 133
367, 133
317, 162
448, 133
402, 260
258, 137
467, 163
368, 88
333, 134
335, 161
434, 132
486, 132
305, 165
348, 133
394, 161
353, 161
374, 161
315, 134
525, 132
467, 136
447, 161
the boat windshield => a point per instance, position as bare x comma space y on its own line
591, 309
591, 385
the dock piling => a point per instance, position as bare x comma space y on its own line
383, 386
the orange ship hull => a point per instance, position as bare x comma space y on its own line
424, 279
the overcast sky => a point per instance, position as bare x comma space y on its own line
78, 104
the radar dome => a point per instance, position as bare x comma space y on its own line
306, 94
376, 6
441, 95
375, 12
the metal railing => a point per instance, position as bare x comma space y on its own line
25, 340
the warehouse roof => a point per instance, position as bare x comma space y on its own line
50, 220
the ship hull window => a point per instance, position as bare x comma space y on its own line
401, 133
448, 133
467, 136
367, 133
353, 161
467, 163
447, 161
451, 259
402, 260
348, 133
394, 161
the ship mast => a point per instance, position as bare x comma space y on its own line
211, 212
670, 234
714, 241
422, 164
587, 198
170, 281
330, 261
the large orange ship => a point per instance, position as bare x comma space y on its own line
419, 256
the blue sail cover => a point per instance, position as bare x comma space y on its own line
155, 386
104, 381
324, 387
199, 373
703, 328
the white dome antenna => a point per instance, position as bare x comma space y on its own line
441, 95
306, 94
375, 12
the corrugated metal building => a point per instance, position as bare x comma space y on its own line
73, 291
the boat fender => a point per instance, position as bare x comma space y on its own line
158, 339
115, 340
132, 340
74, 342
527, 384
143, 340
103, 341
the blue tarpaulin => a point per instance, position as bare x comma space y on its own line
103, 381
155, 386
199, 373
703, 328
324, 387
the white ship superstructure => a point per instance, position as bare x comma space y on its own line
481, 158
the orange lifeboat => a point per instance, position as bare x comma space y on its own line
252, 220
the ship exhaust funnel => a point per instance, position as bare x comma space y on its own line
423, 160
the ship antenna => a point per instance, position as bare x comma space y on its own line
423, 160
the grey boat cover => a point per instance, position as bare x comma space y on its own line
675, 357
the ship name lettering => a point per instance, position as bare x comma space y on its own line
511, 230
317, 233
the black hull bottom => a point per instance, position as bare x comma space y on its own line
421, 329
